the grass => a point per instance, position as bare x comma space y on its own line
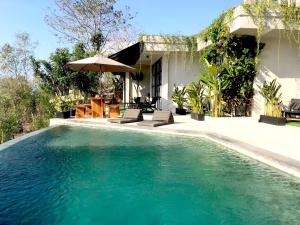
295, 124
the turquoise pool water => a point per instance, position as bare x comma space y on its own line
72, 175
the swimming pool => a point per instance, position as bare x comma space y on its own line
74, 175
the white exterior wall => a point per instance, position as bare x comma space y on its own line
144, 88
181, 71
280, 59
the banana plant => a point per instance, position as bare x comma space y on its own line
195, 95
215, 86
178, 96
270, 92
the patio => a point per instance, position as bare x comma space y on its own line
275, 146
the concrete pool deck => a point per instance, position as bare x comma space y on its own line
276, 146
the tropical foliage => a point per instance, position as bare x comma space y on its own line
195, 96
179, 96
211, 77
235, 56
270, 92
57, 79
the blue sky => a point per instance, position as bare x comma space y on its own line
153, 17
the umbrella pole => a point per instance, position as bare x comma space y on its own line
100, 76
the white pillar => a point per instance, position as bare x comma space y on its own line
150, 83
127, 87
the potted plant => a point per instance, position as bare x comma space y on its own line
63, 105
195, 95
270, 92
178, 97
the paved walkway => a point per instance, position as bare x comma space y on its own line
273, 145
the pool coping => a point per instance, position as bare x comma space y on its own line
288, 165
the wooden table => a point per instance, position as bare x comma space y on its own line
97, 104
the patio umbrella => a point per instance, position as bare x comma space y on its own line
99, 64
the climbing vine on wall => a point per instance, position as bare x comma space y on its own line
184, 47
235, 55
285, 12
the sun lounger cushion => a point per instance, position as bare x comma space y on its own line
159, 118
133, 114
130, 116
163, 116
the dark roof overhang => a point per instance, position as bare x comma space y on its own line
130, 55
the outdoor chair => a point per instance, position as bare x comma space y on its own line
293, 110
150, 105
83, 110
136, 104
159, 118
130, 116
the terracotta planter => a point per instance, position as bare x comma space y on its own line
197, 116
278, 121
63, 115
180, 111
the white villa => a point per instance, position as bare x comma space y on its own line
163, 68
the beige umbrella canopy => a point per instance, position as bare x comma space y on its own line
100, 64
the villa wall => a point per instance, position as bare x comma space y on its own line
144, 85
181, 71
279, 59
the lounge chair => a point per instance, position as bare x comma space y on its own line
149, 106
130, 116
293, 111
159, 118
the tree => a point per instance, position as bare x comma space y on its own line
89, 22
15, 58
56, 78
24, 107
